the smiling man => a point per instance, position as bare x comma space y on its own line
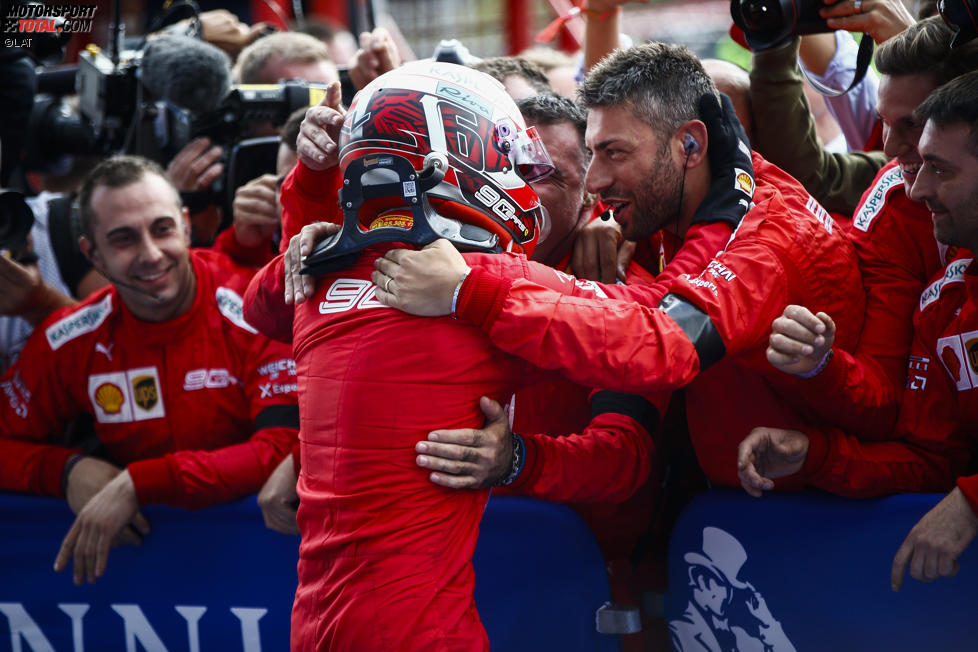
647, 128
947, 184
191, 404
894, 239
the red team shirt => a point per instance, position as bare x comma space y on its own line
786, 250
385, 559
200, 408
898, 255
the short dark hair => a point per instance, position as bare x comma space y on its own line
499, 68
290, 131
924, 48
289, 47
661, 84
550, 108
115, 172
956, 102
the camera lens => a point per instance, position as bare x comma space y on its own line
16, 220
763, 15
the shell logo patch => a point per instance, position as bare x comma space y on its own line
744, 182
125, 396
109, 397
397, 220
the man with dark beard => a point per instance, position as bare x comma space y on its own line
647, 128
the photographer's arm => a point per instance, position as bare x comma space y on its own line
254, 223
26, 294
784, 133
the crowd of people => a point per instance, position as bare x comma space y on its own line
458, 280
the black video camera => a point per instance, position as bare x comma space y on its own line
767, 23
245, 105
99, 122
229, 125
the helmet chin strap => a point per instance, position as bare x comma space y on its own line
397, 179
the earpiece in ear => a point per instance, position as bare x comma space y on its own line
690, 144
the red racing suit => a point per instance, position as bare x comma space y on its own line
786, 250
559, 408
200, 409
898, 255
386, 555
938, 411
947, 331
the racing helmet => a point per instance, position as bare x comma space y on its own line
437, 150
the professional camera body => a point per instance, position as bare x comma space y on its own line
153, 102
767, 23
962, 17
16, 220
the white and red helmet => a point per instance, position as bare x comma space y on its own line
448, 144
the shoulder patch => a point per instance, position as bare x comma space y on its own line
876, 200
78, 323
231, 306
820, 213
953, 273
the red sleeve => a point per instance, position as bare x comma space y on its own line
969, 487
928, 449
37, 401
198, 478
264, 302
256, 256
890, 235
609, 336
308, 197
594, 341
607, 462
848, 466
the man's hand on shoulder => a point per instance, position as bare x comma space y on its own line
420, 282
298, 286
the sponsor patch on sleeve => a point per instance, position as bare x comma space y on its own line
231, 306
959, 355
744, 182
820, 213
876, 200
78, 323
953, 273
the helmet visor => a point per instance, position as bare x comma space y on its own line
530, 156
